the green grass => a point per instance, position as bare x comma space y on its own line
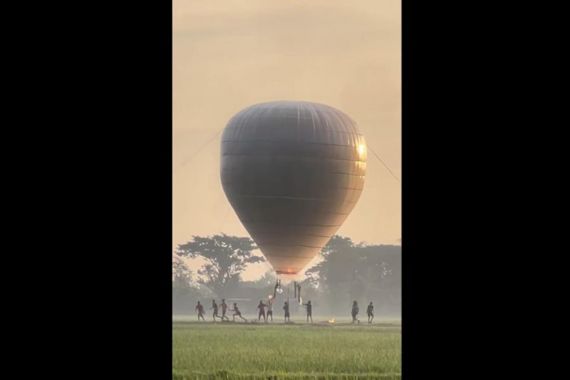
278, 351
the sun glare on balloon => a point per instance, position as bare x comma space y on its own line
361, 150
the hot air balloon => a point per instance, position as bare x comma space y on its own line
293, 171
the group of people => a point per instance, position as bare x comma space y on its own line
261, 307
269, 314
215, 308
369, 312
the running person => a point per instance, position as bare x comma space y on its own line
224, 306
237, 312
215, 313
309, 311
200, 309
261, 308
370, 312
355, 312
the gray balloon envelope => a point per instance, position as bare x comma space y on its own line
293, 172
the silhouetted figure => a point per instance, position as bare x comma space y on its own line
309, 310
261, 308
277, 285
355, 312
370, 312
237, 313
200, 310
224, 310
286, 309
215, 313
270, 309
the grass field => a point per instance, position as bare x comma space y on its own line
294, 351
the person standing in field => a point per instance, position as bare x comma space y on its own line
261, 308
215, 313
224, 306
309, 310
370, 312
355, 312
286, 309
270, 309
237, 312
200, 310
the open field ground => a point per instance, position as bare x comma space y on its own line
340, 350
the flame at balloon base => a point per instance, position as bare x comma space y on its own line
286, 272
286, 278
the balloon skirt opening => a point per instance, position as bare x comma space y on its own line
286, 272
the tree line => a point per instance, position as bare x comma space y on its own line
347, 271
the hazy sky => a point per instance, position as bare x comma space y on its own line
229, 54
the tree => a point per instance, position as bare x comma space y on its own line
359, 272
226, 258
334, 273
267, 281
181, 274
332, 253
184, 293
